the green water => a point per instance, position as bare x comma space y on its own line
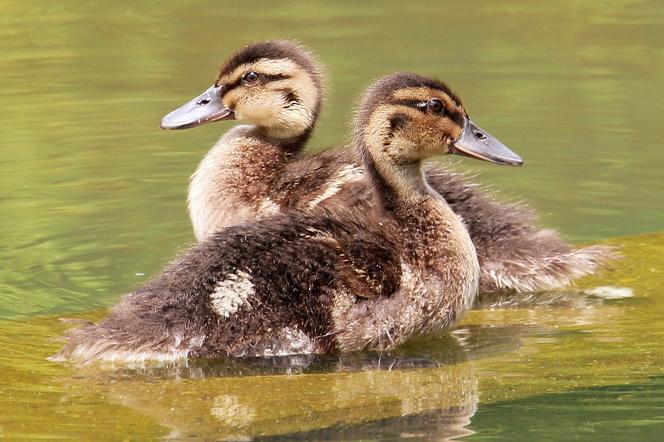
93, 193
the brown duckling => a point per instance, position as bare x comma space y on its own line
316, 283
256, 170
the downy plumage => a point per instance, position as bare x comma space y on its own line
324, 282
258, 170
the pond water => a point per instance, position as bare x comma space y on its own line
93, 203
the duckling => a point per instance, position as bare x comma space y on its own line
323, 282
257, 170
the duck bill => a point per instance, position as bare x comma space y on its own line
477, 143
205, 108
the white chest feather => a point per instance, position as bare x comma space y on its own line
214, 196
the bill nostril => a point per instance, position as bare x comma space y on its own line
480, 135
203, 101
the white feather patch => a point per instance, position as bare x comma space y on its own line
268, 207
232, 293
347, 174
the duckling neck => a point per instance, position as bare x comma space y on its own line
402, 186
232, 183
289, 140
437, 244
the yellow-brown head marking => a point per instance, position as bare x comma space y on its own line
276, 85
411, 116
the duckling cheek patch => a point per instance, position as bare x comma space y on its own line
232, 293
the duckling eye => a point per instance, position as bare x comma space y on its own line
250, 77
435, 106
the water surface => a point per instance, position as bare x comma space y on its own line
93, 199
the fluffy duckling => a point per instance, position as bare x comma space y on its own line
255, 171
275, 86
305, 283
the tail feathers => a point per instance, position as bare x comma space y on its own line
96, 343
515, 253
546, 272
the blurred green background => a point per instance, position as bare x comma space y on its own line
94, 193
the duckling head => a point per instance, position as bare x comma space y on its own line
274, 85
406, 118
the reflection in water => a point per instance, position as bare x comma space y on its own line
430, 382
244, 407
440, 425
231, 413
565, 298
465, 343
544, 307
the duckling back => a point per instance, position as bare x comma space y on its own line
265, 289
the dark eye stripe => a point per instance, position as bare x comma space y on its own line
398, 121
274, 77
265, 78
456, 116
289, 95
417, 104
453, 114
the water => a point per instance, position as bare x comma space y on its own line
93, 204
